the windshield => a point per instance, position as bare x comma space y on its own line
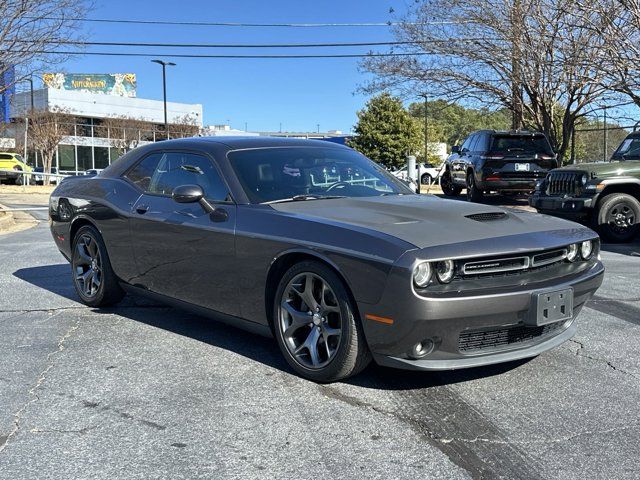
309, 173
630, 148
519, 144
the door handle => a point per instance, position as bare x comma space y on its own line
142, 209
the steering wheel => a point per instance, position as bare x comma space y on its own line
337, 184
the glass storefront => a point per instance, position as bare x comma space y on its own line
85, 160
100, 157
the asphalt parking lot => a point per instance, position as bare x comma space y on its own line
146, 391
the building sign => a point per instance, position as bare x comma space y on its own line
7, 89
120, 84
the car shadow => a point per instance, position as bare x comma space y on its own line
55, 279
631, 249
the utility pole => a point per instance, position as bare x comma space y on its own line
426, 127
164, 90
516, 70
605, 139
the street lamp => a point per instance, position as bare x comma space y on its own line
164, 90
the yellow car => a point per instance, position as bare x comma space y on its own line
12, 161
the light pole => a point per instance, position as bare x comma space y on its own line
426, 127
164, 90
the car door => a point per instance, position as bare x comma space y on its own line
460, 163
180, 250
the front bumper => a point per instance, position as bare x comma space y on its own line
446, 320
562, 205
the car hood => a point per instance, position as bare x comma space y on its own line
425, 220
608, 169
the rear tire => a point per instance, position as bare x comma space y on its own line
323, 342
473, 193
426, 179
618, 217
93, 277
448, 188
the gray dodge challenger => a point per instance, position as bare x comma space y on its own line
314, 244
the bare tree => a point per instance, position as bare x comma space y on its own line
532, 56
31, 29
47, 129
618, 22
184, 126
123, 132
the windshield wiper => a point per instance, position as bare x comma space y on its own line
302, 198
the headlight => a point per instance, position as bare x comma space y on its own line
445, 270
572, 253
586, 249
422, 274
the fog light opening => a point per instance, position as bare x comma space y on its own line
422, 349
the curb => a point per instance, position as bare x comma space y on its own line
6, 219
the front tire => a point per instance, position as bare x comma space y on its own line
448, 188
315, 324
473, 193
93, 277
426, 179
618, 217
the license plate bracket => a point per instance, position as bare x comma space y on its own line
551, 307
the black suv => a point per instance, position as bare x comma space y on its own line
499, 161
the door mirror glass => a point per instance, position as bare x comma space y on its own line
187, 193
455, 149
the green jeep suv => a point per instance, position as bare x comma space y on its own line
606, 194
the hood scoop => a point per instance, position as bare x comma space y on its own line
487, 217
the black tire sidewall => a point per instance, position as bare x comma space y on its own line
339, 367
607, 203
473, 194
109, 291
448, 188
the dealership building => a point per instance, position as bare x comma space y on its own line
89, 99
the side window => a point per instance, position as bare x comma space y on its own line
468, 144
141, 174
176, 168
481, 144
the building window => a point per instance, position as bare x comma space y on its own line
67, 157
115, 154
101, 157
85, 160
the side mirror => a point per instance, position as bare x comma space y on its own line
455, 149
192, 194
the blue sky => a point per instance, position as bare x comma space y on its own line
299, 93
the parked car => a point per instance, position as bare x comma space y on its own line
427, 173
499, 161
14, 162
39, 179
253, 232
605, 195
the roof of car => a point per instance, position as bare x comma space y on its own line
239, 142
510, 132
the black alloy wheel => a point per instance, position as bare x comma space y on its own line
618, 217
473, 193
448, 188
93, 278
315, 325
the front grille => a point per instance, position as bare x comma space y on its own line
548, 258
564, 183
486, 217
503, 338
496, 265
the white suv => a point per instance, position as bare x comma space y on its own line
427, 173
